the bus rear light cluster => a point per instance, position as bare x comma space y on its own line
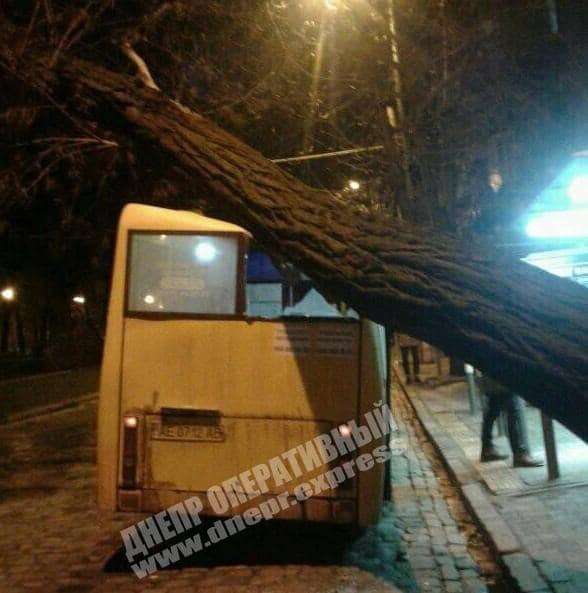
130, 422
130, 451
344, 430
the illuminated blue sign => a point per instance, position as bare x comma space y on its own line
561, 209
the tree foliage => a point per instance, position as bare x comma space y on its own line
485, 85
482, 83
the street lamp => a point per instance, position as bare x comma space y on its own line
354, 185
79, 299
495, 180
8, 294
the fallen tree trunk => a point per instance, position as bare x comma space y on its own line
520, 325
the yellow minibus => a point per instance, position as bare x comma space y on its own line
194, 390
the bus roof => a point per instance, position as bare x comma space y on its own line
151, 218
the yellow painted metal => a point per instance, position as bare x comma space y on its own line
269, 400
271, 385
240, 368
133, 217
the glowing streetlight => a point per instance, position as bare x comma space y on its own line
354, 185
8, 294
79, 299
495, 180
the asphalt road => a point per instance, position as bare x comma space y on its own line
45, 454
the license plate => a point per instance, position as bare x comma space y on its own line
187, 432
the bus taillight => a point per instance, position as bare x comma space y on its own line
130, 448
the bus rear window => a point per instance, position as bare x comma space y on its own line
193, 274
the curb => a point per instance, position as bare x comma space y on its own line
519, 565
460, 469
499, 533
32, 395
525, 574
49, 409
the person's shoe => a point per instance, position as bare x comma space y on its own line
525, 460
417, 380
492, 454
409, 380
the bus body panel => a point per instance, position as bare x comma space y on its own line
216, 397
247, 443
268, 368
268, 398
135, 217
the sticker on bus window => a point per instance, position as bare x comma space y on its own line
181, 283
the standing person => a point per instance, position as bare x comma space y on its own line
410, 347
498, 398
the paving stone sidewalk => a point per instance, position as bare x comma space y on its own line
537, 528
444, 546
52, 538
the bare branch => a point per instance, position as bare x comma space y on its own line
150, 20
49, 17
142, 69
76, 22
41, 88
68, 140
32, 22
46, 170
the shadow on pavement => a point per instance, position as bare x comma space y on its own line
269, 542
377, 550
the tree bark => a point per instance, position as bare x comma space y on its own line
518, 324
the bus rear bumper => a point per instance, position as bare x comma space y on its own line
315, 509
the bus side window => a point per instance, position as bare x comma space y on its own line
182, 273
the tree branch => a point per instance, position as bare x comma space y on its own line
32, 22
142, 69
76, 23
518, 324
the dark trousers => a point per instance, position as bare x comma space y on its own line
405, 351
515, 412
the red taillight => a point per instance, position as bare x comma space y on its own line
345, 430
130, 447
130, 421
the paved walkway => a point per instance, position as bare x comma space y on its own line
52, 539
444, 545
538, 528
